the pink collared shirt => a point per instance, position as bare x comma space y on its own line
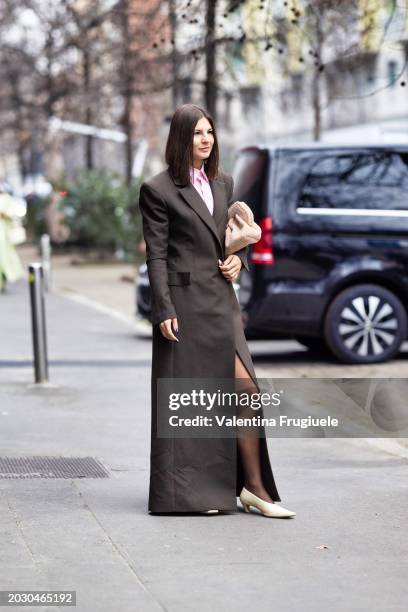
202, 184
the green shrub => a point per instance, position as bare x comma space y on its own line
102, 212
35, 221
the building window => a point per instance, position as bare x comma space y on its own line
186, 89
227, 109
250, 97
297, 89
392, 73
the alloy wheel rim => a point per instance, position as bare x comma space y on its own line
368, 325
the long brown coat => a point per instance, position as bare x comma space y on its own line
183, 245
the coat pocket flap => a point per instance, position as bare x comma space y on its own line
178, 278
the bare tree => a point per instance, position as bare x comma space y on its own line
96, 62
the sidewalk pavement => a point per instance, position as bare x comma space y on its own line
110, 284
345, 550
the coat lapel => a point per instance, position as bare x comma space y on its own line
214, 222
218, 190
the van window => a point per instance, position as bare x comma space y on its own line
370, 181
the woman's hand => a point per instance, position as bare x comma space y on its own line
231, 267
167, 331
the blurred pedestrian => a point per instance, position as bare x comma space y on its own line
11, 268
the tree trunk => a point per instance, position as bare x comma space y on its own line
176, 88
88, 111
210, 60
316, 106
316, 84
127, 91
127, 124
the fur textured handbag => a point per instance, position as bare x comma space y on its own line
241, 228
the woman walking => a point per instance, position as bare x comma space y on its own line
197, 325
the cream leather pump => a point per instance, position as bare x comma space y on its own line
267, 508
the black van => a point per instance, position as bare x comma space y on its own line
331, 267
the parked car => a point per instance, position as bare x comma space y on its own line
143, 303
331, 268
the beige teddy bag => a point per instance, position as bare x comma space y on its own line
241, 229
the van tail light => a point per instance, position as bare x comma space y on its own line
262, 251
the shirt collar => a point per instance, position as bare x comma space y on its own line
198, 172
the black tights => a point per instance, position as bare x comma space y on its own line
248, 439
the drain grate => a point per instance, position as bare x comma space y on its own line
51, 467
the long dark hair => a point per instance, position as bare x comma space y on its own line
179, 147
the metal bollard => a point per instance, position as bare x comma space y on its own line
45, 249
35, 278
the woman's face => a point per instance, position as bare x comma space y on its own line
203, 141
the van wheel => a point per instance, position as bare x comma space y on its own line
365, 324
